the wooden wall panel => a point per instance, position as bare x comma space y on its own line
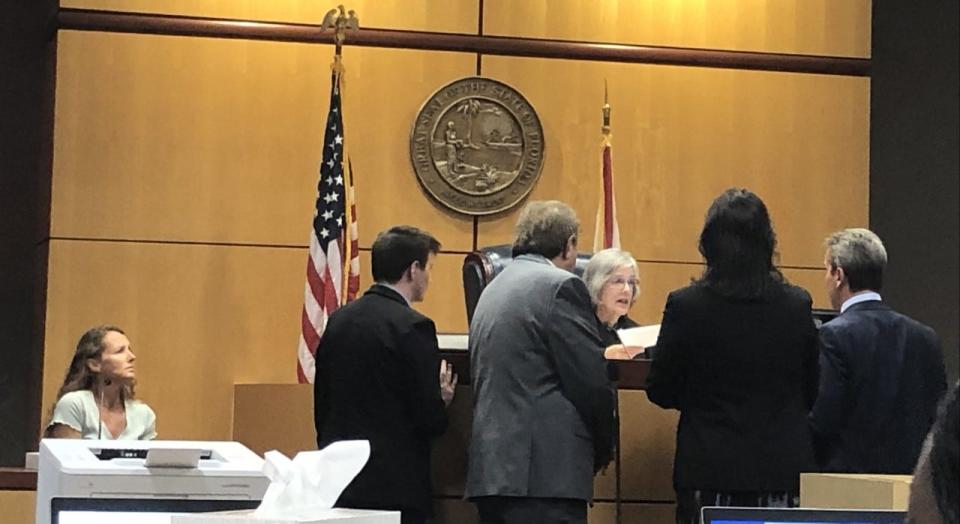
632, 513
647, 441
19, 507
682, 135
451, 16
200, 319
444, 302
220, 140
814, 27
657, 280
274, 416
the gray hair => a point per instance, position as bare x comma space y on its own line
544, 227
861, 255
602, 264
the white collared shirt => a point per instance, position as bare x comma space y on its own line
862, 297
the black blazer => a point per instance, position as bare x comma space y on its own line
377, 379
608, 334
743, 375
882, 375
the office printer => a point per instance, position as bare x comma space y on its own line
76, 474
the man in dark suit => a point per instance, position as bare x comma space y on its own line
881, 372
377, 379
543, 405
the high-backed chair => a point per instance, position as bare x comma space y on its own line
480, 267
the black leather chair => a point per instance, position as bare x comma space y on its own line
479, 268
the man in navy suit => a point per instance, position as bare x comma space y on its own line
881, 372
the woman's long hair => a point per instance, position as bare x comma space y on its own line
739, 246
79, 376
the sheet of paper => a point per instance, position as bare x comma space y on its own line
643, 336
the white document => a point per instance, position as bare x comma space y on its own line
643, 336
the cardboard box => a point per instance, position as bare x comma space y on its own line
849, 491
330, 516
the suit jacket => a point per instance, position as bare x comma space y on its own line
377, 379
542, 405
882, 375
743, 374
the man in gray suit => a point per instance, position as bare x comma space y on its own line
543, 405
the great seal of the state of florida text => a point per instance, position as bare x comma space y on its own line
477, 146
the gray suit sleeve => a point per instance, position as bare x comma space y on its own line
578, 355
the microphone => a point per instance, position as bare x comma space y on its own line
106, 382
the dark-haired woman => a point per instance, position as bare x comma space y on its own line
97, 398
737, 356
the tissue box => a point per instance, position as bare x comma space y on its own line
329, 516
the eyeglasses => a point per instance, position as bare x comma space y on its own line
621, 281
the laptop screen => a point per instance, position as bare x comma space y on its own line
801, 516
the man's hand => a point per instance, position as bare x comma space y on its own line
622, 352
448, 382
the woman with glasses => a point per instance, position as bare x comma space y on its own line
611, 278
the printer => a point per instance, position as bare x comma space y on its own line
123, 475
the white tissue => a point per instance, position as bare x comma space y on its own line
312, 481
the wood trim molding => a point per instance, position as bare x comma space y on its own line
143, 23
18, 479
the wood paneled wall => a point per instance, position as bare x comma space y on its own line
184, 168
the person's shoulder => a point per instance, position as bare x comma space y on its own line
796, 293
78, 397
141, 409
915, 325
694, 292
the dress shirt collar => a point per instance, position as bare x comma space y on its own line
862, 297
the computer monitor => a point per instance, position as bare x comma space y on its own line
822, 316
713, 515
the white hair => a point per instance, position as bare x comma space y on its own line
602, 264
861, 254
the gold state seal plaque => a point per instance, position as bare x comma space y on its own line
477, 146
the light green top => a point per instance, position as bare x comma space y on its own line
78, 410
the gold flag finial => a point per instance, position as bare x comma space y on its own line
340, 21
606, 109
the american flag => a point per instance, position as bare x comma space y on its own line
607, 233
333, 267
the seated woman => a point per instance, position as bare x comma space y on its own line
611, 278
96, 400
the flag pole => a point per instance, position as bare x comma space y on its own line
605, 129
606, 112
340, 20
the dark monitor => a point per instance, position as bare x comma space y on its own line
822, 316
801, 515
143, 511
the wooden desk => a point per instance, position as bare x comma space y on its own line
280, 416
18, 495
632, 373
18, 479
